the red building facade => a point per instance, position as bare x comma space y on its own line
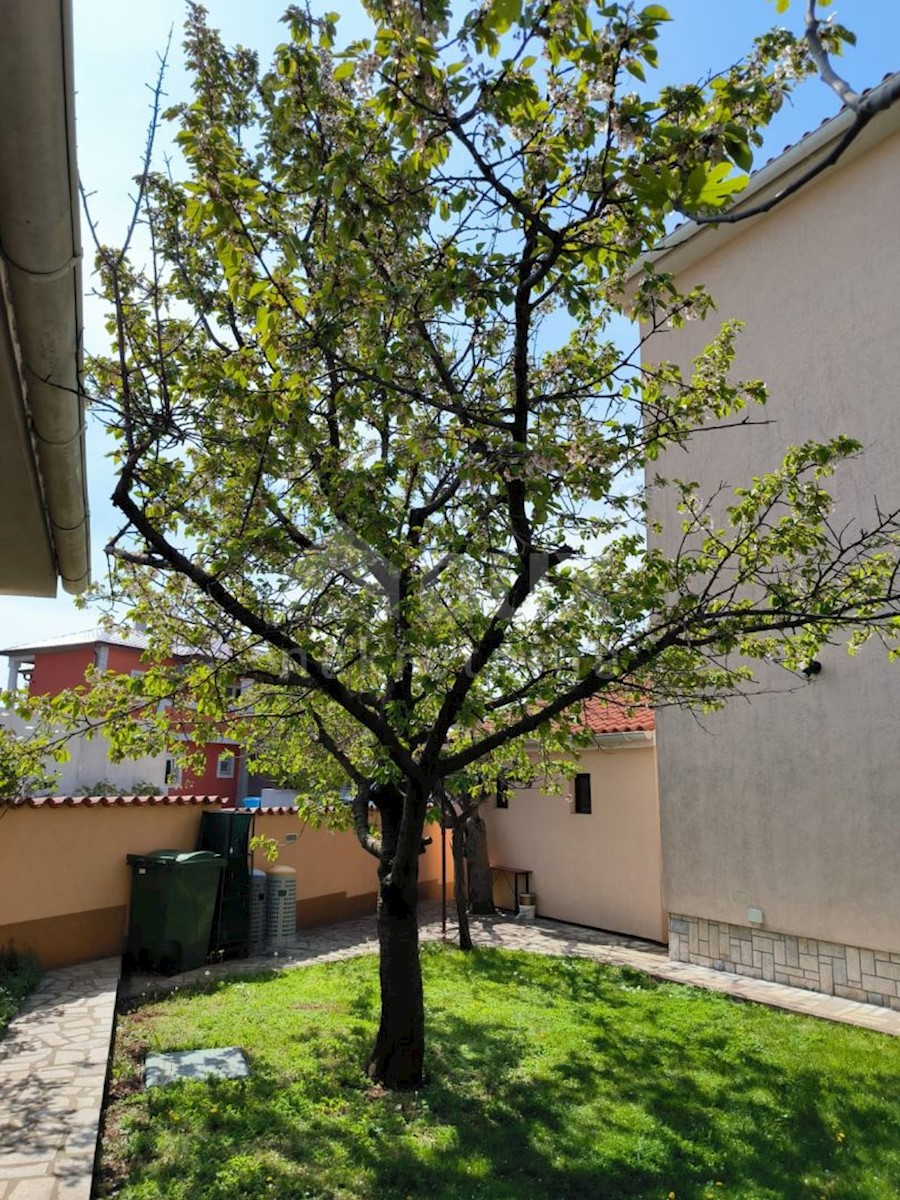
56, 665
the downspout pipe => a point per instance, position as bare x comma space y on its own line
40, 247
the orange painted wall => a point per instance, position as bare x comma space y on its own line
65, 884
55, 861
327, 862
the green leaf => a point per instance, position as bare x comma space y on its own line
504, 14
739, 152
655, 12
720, 184
345, 70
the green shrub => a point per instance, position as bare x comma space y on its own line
19, 975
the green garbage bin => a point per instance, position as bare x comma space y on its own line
228, 833
173, 897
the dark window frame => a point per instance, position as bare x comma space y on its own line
582, 787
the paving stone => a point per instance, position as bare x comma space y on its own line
73, 1189
54, 1063
34, 1189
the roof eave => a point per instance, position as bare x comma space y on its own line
690, 242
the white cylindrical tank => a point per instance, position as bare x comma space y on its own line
257, 909
281, 905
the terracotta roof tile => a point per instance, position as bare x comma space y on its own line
603, 716
108, 801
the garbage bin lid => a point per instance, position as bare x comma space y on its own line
171, 858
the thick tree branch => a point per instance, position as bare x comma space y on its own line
529, 577
345, 697
865, 109
370, 843
820, 57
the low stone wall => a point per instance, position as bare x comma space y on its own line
852, 972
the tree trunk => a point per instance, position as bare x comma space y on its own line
481, 881
460, 891
398, 1057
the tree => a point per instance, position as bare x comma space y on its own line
472, 879
23, 764
376, 449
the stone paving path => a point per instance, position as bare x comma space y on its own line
52, 1076
53, 1059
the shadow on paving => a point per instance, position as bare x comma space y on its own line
625, 1116
34, 1119
504, 930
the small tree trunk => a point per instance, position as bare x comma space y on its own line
398, 1057
460, 891
481, 881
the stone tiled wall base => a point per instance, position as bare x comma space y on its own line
872, 976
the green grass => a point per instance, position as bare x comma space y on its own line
19, 976
550, 1078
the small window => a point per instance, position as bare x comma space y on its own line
502, 793
225, 767
583, 794
173, 773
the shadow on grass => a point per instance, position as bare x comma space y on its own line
652, 1092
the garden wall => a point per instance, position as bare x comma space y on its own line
65, 885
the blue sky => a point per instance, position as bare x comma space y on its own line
116, 59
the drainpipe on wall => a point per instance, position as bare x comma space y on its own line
41, 261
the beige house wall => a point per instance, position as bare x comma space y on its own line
788, 804
600, 869
65, 884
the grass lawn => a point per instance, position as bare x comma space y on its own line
550, 1078
19, 976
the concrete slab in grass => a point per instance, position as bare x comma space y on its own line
227, 1063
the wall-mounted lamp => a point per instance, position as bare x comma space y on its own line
814, 667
